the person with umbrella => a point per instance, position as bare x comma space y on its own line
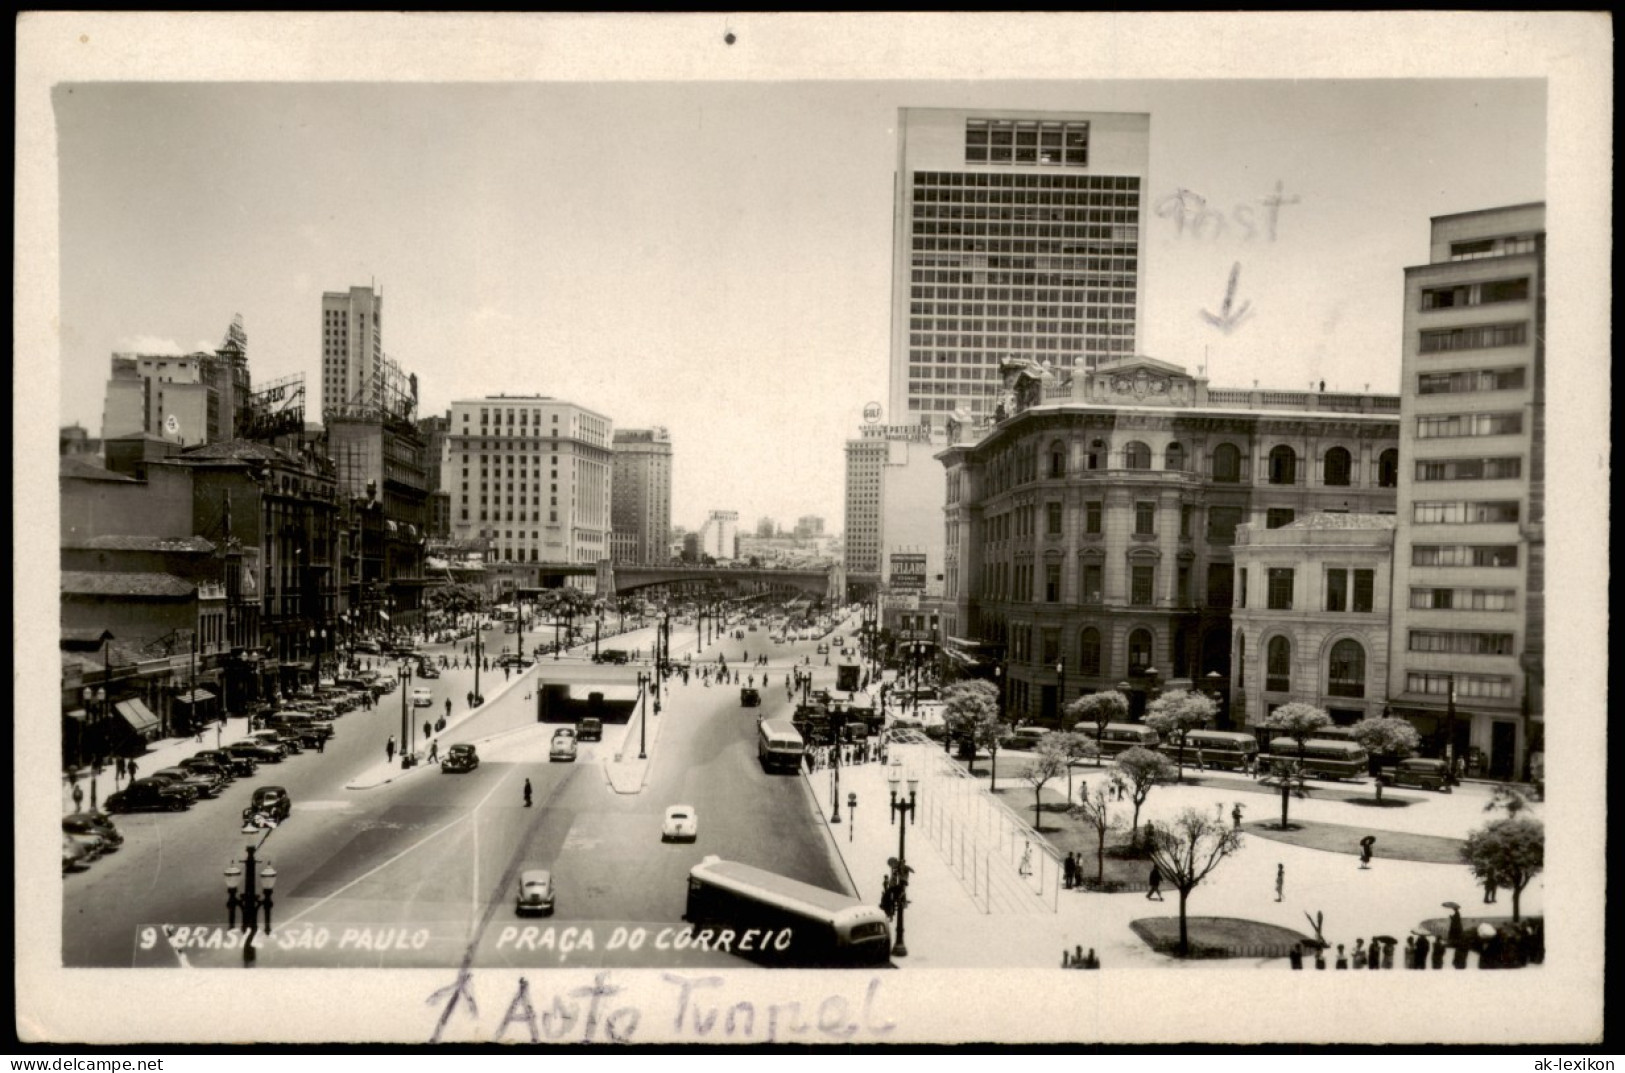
1454, 935
1365, 850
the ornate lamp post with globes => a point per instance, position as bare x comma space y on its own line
899, 863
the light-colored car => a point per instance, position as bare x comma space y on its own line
563, 748
422, 697
564, 732
682, 824
535, 892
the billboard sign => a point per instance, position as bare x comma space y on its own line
908, 572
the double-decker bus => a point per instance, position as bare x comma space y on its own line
788, 922
779, 746
1323, 757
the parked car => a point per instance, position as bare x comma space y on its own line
288, 743
1419, 772
208, 767
563, 748
260, 752
535, 892
205, 785
76, 853
369, 648
151, 795
94, 823
270, 801
460, 758
682, 824
422, 697
427, 670
238, 765
612, 655
590, 728
308, 728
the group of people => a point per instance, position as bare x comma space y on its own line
1077, 959
821, 757
1507, 946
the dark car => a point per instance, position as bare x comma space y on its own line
237, 765
460, 758
272, 802
1419, 772
151, 795
206, 785
308, 729
590, 728
257, 751
749, 698
427, 670
208, 767
94, 823
612, 655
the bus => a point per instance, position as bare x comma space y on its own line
1323, 757
779, 746
794, 923
1121, 737
1222, 748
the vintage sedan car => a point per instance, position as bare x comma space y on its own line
272, 802
616, 656
422, 697
205, 785
76, 853
427, 670
1419, 772
535, 892
682, 824
749, 698
460, 758
260, 752
94, 823
211, 768
239, 766
591, 728
563, 748
151, 795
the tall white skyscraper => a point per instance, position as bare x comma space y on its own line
352, 349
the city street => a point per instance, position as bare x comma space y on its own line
420, 867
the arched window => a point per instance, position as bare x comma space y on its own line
1388, 469
1241, 660
1089, 651
1057, 459
1278, 665
1139, 651
1174, 457
1097, 448
1346, 677
1226, 462
1339, 466
1136, 456
1283, 465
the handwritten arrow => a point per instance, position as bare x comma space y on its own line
1228, 320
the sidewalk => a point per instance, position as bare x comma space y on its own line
165, 752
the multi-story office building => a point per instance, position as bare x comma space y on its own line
1090, 532
719, 536
1470, 555
1311, 616
356, 373
530, 477
186, 399
641, 506
433, 431
1017, 235
809, 525
893, 492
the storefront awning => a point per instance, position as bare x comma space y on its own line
196, 696
138, 715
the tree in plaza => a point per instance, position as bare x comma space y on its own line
1288, 775
1094, 809
1099, 709
967, 705
1049, 764
1386, 736
1173, 715
1509, 852
1139, 771
1072, 746
1186, 850
1297, 721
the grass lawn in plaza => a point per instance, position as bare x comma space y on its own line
1218, 937
1338, 838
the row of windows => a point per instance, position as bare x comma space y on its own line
1509, 378
1008, 141
929, 240
1497, 555
1447, 426
1469, 469
1423, 599
1466, 685
1047, 319
508, 516
1506, 246
936, 299
1462, 512
1475, 294
1480, 337
1345, 667
997, 183
1337, 465
1461, 642
958, 273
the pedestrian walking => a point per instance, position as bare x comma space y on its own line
1365, 850
448, 707
1455, 933
78, 798
389, 750
321, 743
1026, 868
428, 728
1359, 953
471, 698
1155, 879
1235, 816
1070, 868
1490, 888
527, 793
118, 768
1438, 953
1280, 881
1410, 951
129, 768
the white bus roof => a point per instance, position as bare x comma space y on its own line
793, 893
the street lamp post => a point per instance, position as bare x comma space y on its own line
643, 713
851, 814
250, 902
835, 772
479, 647
899, 864
406, 722
1060, 705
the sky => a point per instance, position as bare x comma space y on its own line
715, 257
